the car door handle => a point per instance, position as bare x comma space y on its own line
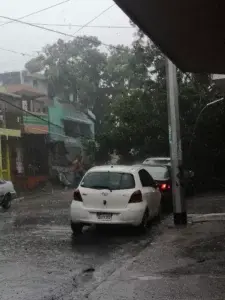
84, 194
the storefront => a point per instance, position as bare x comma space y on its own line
8, 137
35, 159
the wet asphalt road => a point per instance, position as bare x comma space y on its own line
39, 258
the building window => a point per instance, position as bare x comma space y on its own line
25, 105
77, 129
72, 129
35, 83
85, 130
26, 79
45, 110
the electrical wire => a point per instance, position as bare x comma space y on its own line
32, 24
95, 18
11, 20
16, 52
35, 12
58, 32
34, 115
38, 25
88, 26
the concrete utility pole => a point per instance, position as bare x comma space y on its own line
179, 207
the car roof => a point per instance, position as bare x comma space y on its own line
117, 168
158, 158
145, 166
152, 165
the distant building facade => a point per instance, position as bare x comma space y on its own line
52, 129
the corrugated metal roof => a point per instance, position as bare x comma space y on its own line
23, 90
10, 95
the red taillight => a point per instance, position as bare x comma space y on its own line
164, 186
77, 196
136, 197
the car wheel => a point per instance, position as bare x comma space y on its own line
76, 228
190, 191
159, 213
6, 203
145, 222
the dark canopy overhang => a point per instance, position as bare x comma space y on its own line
191, 33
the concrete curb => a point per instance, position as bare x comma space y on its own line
198, 218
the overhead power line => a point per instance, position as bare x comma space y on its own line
51, 30
58, 32
95, 18
35, 12
87, 26
16, 52
30, 113
33, 114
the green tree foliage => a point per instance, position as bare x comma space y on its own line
137, 119
125, 87
137, 124
75, 68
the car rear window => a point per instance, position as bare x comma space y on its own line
108, 180
157, 161
162, 161
158, 173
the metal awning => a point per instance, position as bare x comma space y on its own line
78, 120
24, 91
191, 33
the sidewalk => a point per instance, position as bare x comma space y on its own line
181, 263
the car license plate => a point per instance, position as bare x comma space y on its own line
104, 216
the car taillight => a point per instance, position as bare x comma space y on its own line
165, 186
136, 197
77, 196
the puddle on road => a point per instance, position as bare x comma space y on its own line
147, 278
160, 277
52, 231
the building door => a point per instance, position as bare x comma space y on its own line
4, 159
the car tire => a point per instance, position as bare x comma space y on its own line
6, 203
76, 228
159, 214
190, 192
145, 222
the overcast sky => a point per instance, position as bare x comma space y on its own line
25, 39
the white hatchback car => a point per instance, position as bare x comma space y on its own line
115, 195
